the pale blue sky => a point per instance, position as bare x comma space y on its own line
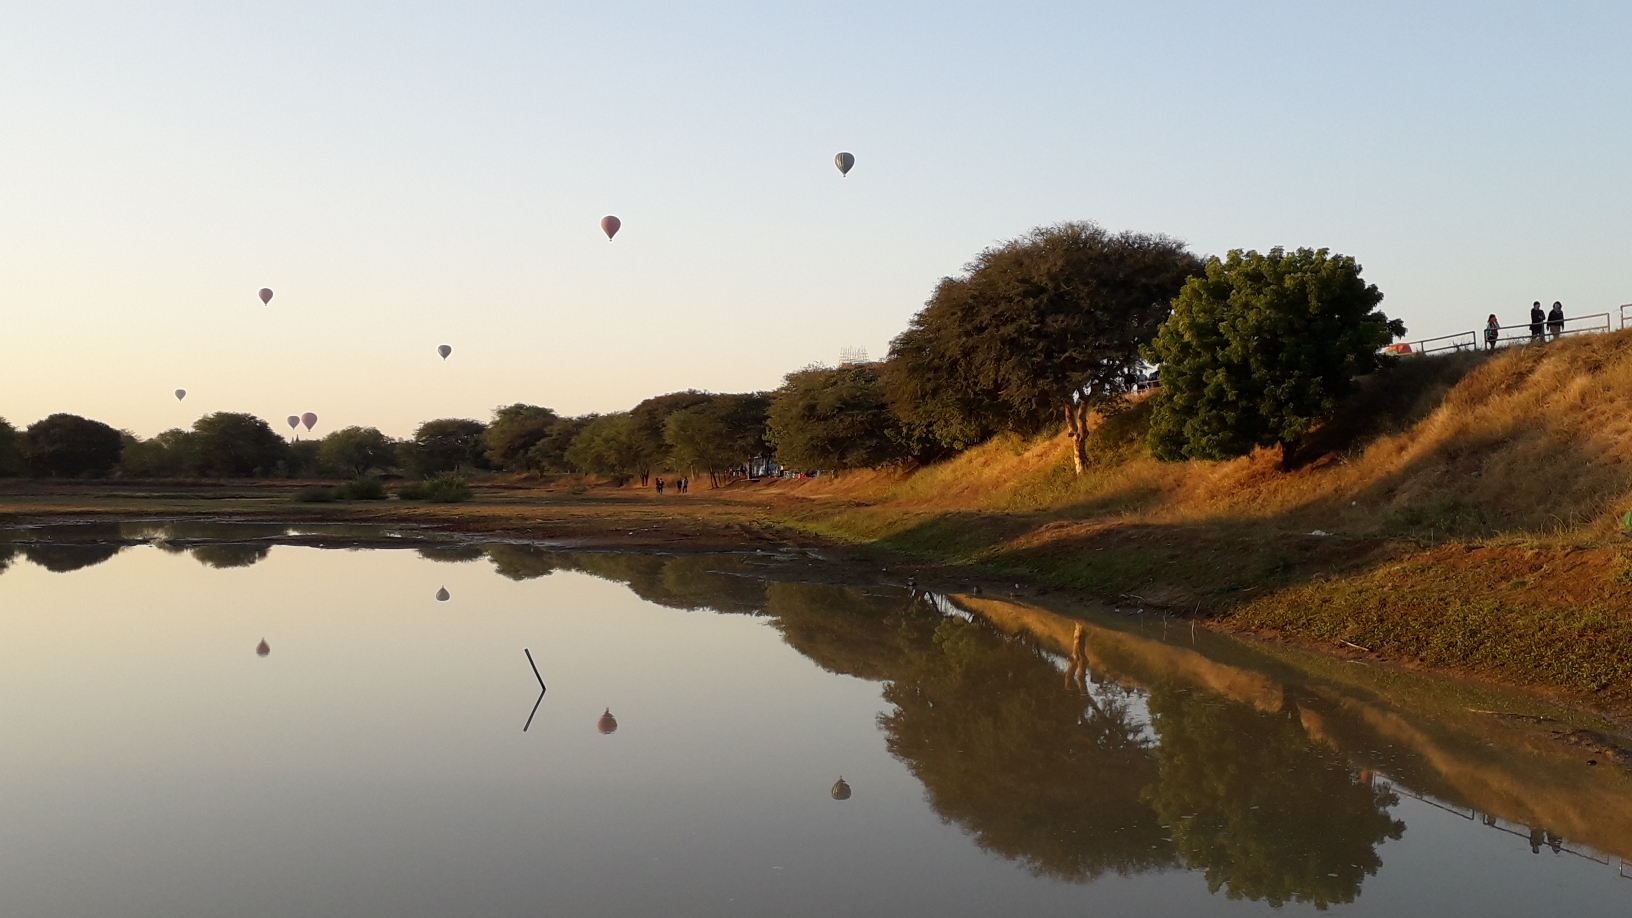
410, 174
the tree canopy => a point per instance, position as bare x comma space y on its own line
230, 444
605, 447
447, 445
12, 459
832, 419
69, 446
725, 431
1260, 349
515, 430
1040, 329
357, 450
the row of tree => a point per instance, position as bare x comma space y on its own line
1044, 332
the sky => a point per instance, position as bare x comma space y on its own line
405, 175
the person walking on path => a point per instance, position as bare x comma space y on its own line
1555, 321
660, 487
1538, 322
1493, 330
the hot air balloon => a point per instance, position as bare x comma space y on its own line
263, 648
442, 595
607, 723
444, 350
266, 295
844, 161
181, 394
309, 419
609, 226
294, 421
841, 790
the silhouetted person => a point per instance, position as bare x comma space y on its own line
1555, 320
1538, 321
1493, 330
660, 486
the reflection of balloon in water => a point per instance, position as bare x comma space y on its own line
181, 394
607, 723
443, 595
266, 295
309, 419
262, 649
844, 161
444, 350
294, 421
609, 226
841, 790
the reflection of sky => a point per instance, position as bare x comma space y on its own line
374, 764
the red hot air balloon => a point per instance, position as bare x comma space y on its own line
610, 225
266, 295
294, 421
309, 419
607, 723
444, 350
263, 648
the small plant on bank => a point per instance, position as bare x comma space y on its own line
364, 488
441, 489
317, 495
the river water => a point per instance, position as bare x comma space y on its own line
391, 753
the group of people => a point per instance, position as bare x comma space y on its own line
680, 485
1543, 324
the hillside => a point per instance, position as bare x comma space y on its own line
1462, 512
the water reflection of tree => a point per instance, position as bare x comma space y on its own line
7, 555
1037, 773
680, 582
61, 558
1265, 811
231, 554
451, 554
522, 562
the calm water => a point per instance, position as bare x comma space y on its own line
374, 762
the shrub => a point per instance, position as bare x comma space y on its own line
442, 489
364, 488
317, 495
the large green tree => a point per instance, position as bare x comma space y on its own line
169, 454
833, 419
447, 445
357, 450
12, 459
1042, 328
231, 444
69, 446
646, 430
1259, 350
515, 430
725, 431
606, 447
549, 454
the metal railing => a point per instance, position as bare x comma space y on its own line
1624, 317
1461, 341
1575, 325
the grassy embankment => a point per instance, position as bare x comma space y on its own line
1470, 507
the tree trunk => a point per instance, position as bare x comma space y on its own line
1076, 427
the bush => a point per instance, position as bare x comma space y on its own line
317, 495
364, 488
442, 489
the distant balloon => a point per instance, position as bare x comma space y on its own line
181, 394
444, 350
309, 419
610, 225
266, 295
845, 162
443, 595
841, 790
263, 648
607, 723
294, 421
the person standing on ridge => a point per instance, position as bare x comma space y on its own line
1493, 330
1555, 321
1538, 322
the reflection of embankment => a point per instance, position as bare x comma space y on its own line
1477, 764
